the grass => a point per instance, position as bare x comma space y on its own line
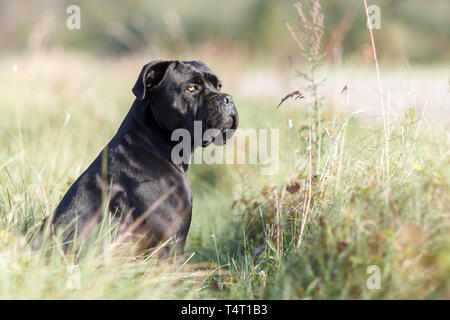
243, 238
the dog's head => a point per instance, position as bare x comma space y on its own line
178, 93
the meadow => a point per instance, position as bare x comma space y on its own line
378, 195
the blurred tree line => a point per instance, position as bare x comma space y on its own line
414, 30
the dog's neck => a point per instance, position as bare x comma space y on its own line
140, 119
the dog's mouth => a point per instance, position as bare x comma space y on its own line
230, 124
225, 131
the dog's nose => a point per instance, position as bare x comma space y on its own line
228, 99
224, 99
228, 117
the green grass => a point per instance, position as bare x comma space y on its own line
359, 215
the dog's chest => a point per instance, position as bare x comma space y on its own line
171, 192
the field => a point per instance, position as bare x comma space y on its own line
378, 198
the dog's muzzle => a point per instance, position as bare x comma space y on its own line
224, 118
228, 113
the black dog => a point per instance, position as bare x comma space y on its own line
148, 193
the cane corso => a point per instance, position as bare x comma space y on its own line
135, 177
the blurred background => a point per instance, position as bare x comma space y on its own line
64, 93
412, 30
245, 41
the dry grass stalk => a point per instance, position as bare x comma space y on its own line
385, 161
278, 224
297, 94
308, 203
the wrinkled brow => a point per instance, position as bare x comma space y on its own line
210, 77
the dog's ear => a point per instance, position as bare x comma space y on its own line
152, 73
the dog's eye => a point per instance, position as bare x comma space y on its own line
191, 88
219, 86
